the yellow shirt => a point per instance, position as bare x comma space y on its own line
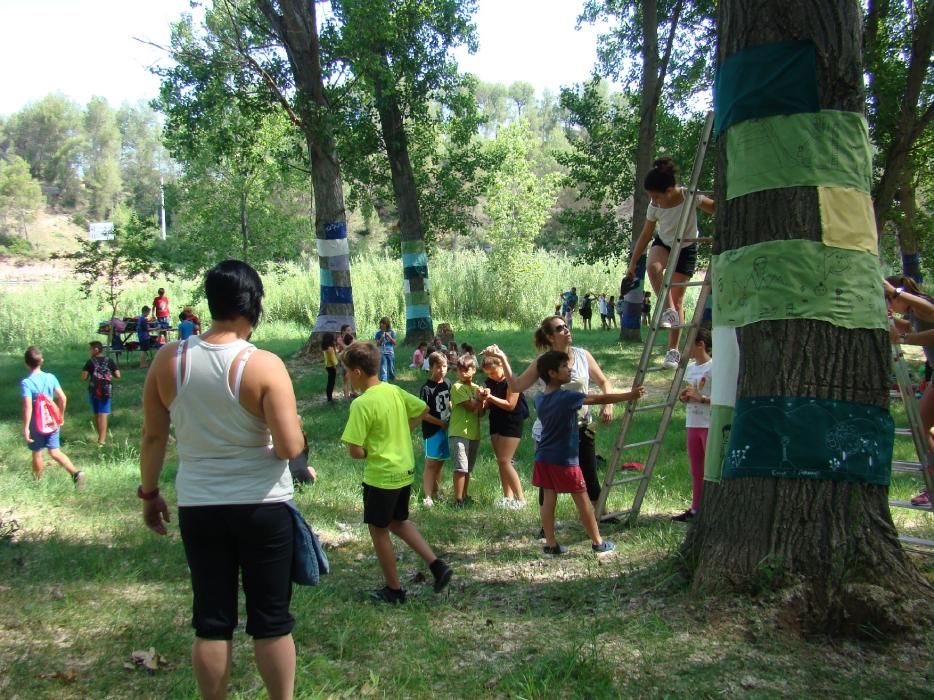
463, 423
330, 357
379, 423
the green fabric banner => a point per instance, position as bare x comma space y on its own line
798, 279
765, 80
827, 148
803, 438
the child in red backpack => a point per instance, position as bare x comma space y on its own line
101, 371
38, 383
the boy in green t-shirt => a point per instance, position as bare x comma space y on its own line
464, 426
379, 430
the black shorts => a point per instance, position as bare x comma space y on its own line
506, 424
145, 344
687, 260
586, 314
224, 542
382, 506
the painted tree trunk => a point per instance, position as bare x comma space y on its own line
297, 29
831, 543
418, 324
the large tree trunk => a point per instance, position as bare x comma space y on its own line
418, 324
297, 29
831, 543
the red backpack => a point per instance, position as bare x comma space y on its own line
45, 415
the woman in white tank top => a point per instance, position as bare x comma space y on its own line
554, 334
236, 425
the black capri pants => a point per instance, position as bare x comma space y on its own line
221, 543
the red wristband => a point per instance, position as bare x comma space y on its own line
147, 496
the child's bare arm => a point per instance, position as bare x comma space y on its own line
356, 451
428, 418
637, 393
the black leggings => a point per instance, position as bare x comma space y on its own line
587, 454
332, 377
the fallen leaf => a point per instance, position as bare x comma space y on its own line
68, 676
149, 660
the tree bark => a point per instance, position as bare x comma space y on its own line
244, 225
418, 324
831, 545
297, 29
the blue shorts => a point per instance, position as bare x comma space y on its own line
42, 442
163, 321
436, 446
99, 405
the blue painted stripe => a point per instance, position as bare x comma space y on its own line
417, 311
336, 230
336, 295
327, 279
414, 259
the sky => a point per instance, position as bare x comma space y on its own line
85, 48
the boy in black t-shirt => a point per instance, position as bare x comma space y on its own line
436, 392
100, 371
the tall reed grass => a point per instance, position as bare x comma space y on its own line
465, 291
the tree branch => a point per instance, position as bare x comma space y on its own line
663, 67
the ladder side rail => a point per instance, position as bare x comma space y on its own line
913, 413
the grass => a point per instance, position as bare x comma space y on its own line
85, 584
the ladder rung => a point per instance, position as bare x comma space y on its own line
617, 514
694, 283
703, 239
917, 542
910, 506
899, 465
650, 407
629, 480
631, 445
903, 431
657, 368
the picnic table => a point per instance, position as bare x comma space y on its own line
119, 334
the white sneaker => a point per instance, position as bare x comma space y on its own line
672, 359
427, 502
516, 504
503, 502
669, 319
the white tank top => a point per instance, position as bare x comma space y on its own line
225, 454
580, 381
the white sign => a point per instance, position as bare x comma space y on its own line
101, 231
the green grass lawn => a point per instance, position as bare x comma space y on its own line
85, 584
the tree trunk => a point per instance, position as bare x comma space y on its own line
297, 29
832, 544
907, 233
244, 225
418, 324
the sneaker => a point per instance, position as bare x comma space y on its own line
684, 517
388, 595
503, 502
672, 359
79, 478
669, 319
459, 504
557, 550
443, 577
603, 547
428, 502
922, 499
515, 504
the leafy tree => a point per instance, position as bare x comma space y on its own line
399, 51
522, 94
102, 158
267, 53
49, 135
832, 542
20, 195
518, 203
898, 38
144, 161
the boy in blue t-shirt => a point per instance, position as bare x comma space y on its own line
557, 466
35, 383
142, 333
186, 327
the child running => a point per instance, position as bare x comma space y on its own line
436, 392
329, 353
99, 372
386, 340
35, 383
557, 468
508, 411
697, 397
379, 430
464, 426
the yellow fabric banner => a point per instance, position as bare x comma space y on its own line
847, 219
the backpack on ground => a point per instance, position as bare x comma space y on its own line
45, 415
101, 378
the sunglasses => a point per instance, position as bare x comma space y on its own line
559, 329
